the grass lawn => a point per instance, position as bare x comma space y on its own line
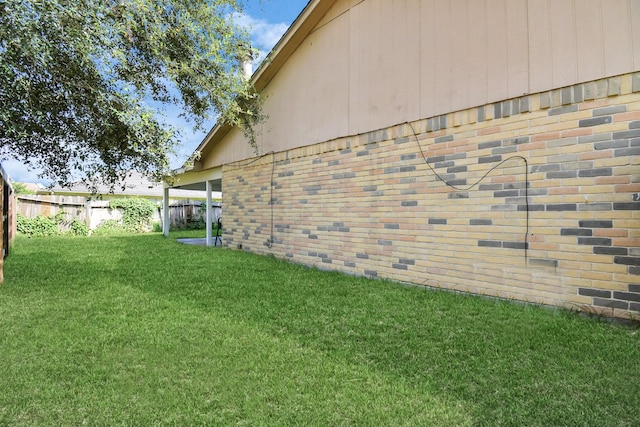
143, 330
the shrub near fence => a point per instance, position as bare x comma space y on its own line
50, 226
64, 208
93, 213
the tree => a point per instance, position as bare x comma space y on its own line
20, 188
77, 78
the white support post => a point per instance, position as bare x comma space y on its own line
87, 214
209, 218
165, 212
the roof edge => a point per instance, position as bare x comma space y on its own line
301, 27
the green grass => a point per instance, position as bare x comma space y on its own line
178, 234
142, 330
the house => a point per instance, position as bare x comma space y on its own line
79, 201
489, 147
8, 223
30, 187
135, 185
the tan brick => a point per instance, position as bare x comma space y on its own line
614, 285
610, 232
547, 136
540, 124
613, 268
590, 155
614, 161
633, 105
581, 182
593, 275
564, 190
534, 104
627, 117
629, 99
562, 126
624, 279
596, 190
620, 218
489, 131
628, 171
521, 124
598, 103
627, 188
577, 149
626, 85
612, 127
574, 117
612, 180
626, 242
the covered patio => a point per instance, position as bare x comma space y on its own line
208, 181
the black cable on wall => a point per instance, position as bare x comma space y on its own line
526, 184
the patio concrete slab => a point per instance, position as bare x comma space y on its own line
199, 241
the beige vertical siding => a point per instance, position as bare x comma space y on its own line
497, 54
563, 60
634, 13
374, 63
540, 48
618, 45
517, 48
477, 53
590, 42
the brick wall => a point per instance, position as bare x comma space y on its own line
533, 199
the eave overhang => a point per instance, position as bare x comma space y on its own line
306, 21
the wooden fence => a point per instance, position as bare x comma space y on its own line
72, 207
182, 213
8, 218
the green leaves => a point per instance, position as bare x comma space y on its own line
41, 226
37, 227
136, 213
76, 79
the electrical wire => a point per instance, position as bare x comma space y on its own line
271, 201
526, 182
424, 157
253, 161
273, 167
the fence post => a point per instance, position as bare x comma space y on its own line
165, 213
209, 215
87, 214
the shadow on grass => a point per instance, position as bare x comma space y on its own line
357, 343
511, 360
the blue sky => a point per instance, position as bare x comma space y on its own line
267, 20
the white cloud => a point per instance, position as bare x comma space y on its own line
264, 35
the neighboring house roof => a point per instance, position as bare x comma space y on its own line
135, 185
33, 186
